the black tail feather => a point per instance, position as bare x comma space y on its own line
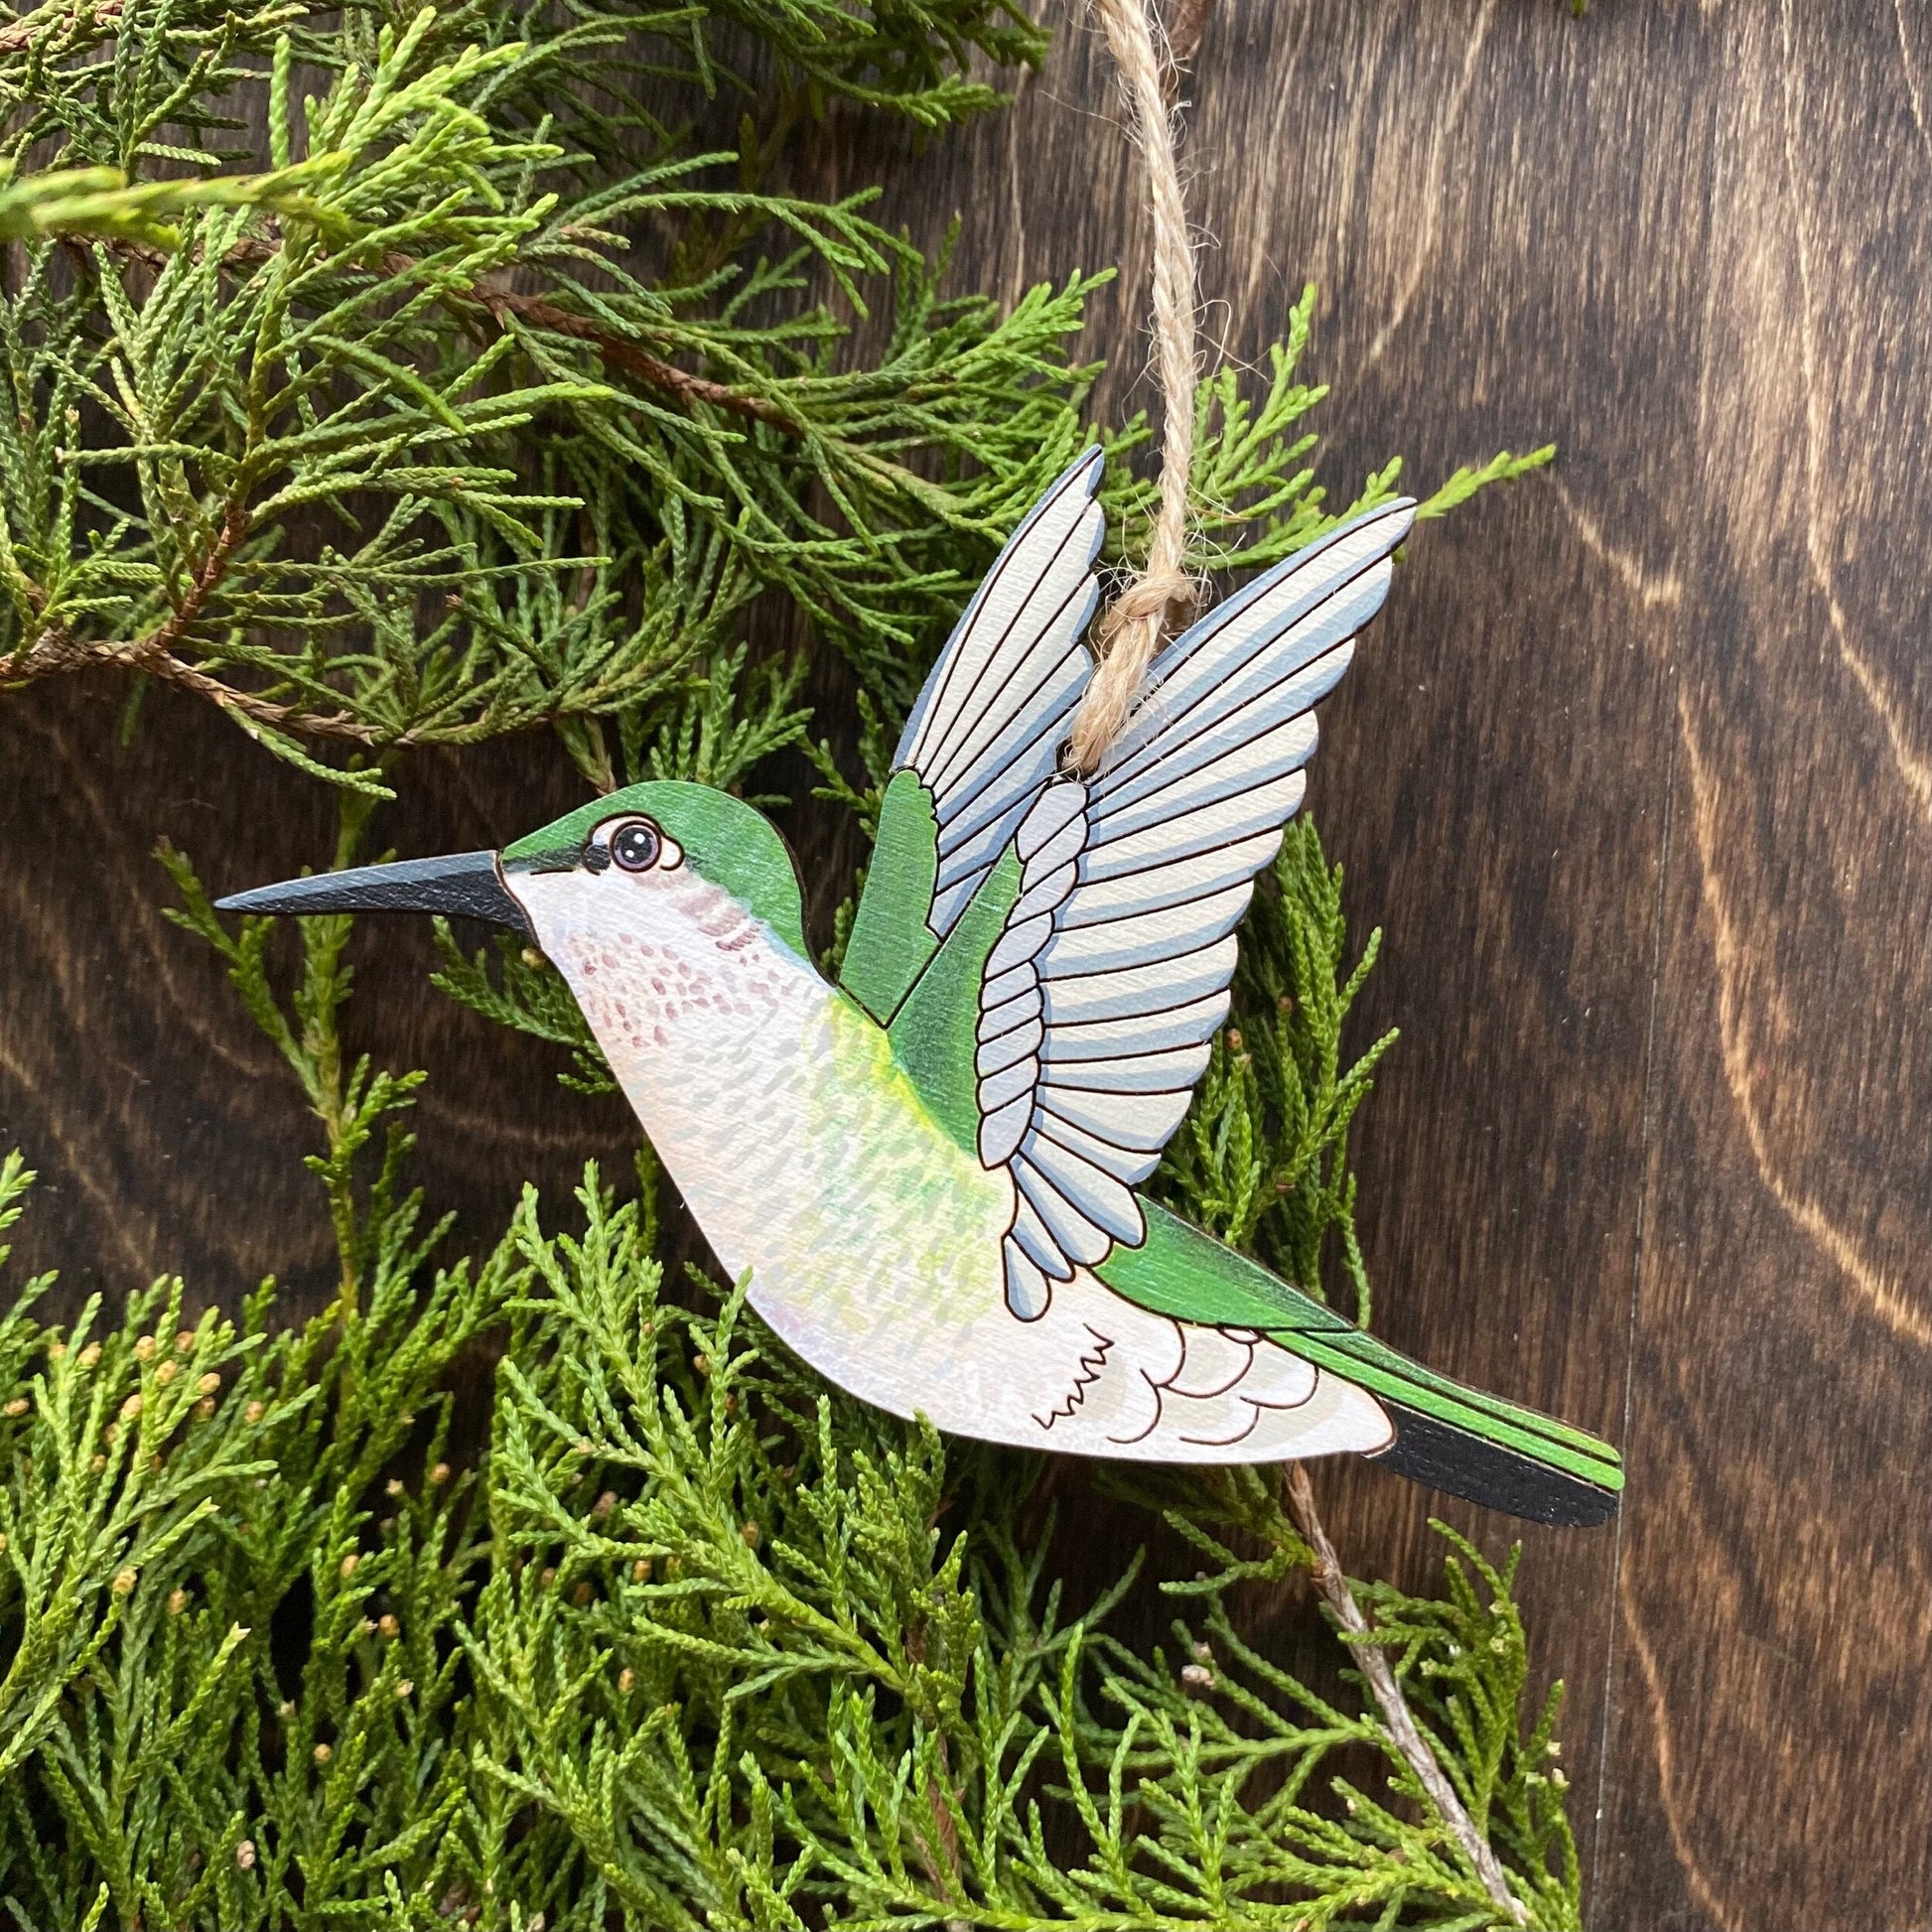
1480, 1472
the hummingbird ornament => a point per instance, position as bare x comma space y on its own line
930, 1169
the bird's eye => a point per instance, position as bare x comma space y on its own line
635, 845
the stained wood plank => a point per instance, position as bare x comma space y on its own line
168, 1133
1775, 1720
1638, 772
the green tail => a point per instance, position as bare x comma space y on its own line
1452, 1436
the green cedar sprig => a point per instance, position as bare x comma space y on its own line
694, 1641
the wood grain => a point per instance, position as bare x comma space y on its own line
1637, 771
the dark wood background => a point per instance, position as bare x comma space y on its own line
1637, 773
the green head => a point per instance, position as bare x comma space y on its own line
603, 863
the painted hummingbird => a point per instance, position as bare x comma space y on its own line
930, 1169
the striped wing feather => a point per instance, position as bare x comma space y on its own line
987, 730
1111, 975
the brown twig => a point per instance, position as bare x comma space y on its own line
1396, 1715
55, 650
540, 311
42, 22
58, 650
939, 1853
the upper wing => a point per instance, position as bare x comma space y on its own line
982, 740
1111, 974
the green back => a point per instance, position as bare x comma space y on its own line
1179, 1271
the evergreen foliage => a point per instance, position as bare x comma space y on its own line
695, 1641
480, 394
492, 400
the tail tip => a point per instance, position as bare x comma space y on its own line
1498, 1477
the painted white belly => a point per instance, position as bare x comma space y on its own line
872, 1241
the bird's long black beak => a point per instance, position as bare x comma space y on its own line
469, 885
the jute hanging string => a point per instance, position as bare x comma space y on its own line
1136, 622
1130, 635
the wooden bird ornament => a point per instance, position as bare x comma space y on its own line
929, 1169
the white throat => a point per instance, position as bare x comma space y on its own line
709, 1020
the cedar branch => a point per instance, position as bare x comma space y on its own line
1396, 1715
539, 311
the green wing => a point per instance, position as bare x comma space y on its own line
890, 940
981, 742
1449, 1434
